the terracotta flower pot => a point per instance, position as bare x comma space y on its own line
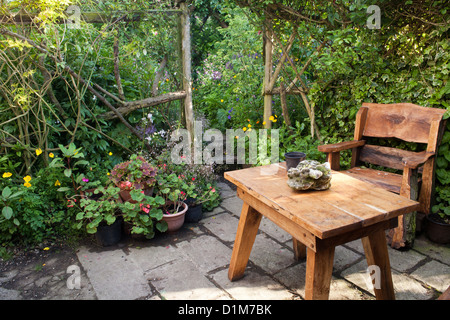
126, 197
175, 221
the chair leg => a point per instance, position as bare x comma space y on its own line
403, 235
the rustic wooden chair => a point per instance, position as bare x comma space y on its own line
407, 122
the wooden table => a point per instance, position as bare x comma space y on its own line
318, 222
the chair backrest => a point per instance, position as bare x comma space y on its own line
407, 122
404, 121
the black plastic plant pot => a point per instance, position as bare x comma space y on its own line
293, 159
109, 235
194, 214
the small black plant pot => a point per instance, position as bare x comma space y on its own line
436, 229
194, 214
293, 159
109, 235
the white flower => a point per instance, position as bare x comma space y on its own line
150, 117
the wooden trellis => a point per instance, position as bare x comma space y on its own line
294, 87
122, 107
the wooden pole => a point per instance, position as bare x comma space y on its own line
186, 60
268, 64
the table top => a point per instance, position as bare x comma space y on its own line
347, 205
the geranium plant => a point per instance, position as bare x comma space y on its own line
174, 190
104, 210
135, 173
202, 194
145, 214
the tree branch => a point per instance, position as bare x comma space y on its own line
148, 102
116, 68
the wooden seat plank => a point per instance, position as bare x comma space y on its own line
386, 180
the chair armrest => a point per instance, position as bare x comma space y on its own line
416, 160
336, 147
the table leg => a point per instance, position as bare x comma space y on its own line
375, 247
245, 237
299, 249
319, 267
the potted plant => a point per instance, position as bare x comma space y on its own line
201, 194
135, 173
143, 214
438, 225
101, 216
174, 191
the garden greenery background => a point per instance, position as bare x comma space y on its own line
56, 83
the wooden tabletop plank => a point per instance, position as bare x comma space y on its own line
349, 203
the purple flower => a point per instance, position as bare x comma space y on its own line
85, 180
229, 117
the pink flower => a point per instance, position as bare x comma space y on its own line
193, 179
85, 180
145, 209
213, 190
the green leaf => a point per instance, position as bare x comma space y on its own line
7, 212
6, 192
110, 219
68, 173
15, 195
162, 226
80, 216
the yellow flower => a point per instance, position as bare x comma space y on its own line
46, 248
221, 100
110, 153
7, 175
108, 174
244, 128
57, 183
272, 119
27, 178
27, 184
264, 123
249, 125
38, 151
51, 155
250, 129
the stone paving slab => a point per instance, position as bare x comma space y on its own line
182, 280
253, 286
113, 275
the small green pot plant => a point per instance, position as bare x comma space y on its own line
173, 190
101, 211
144, 214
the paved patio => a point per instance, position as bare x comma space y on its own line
193, 263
